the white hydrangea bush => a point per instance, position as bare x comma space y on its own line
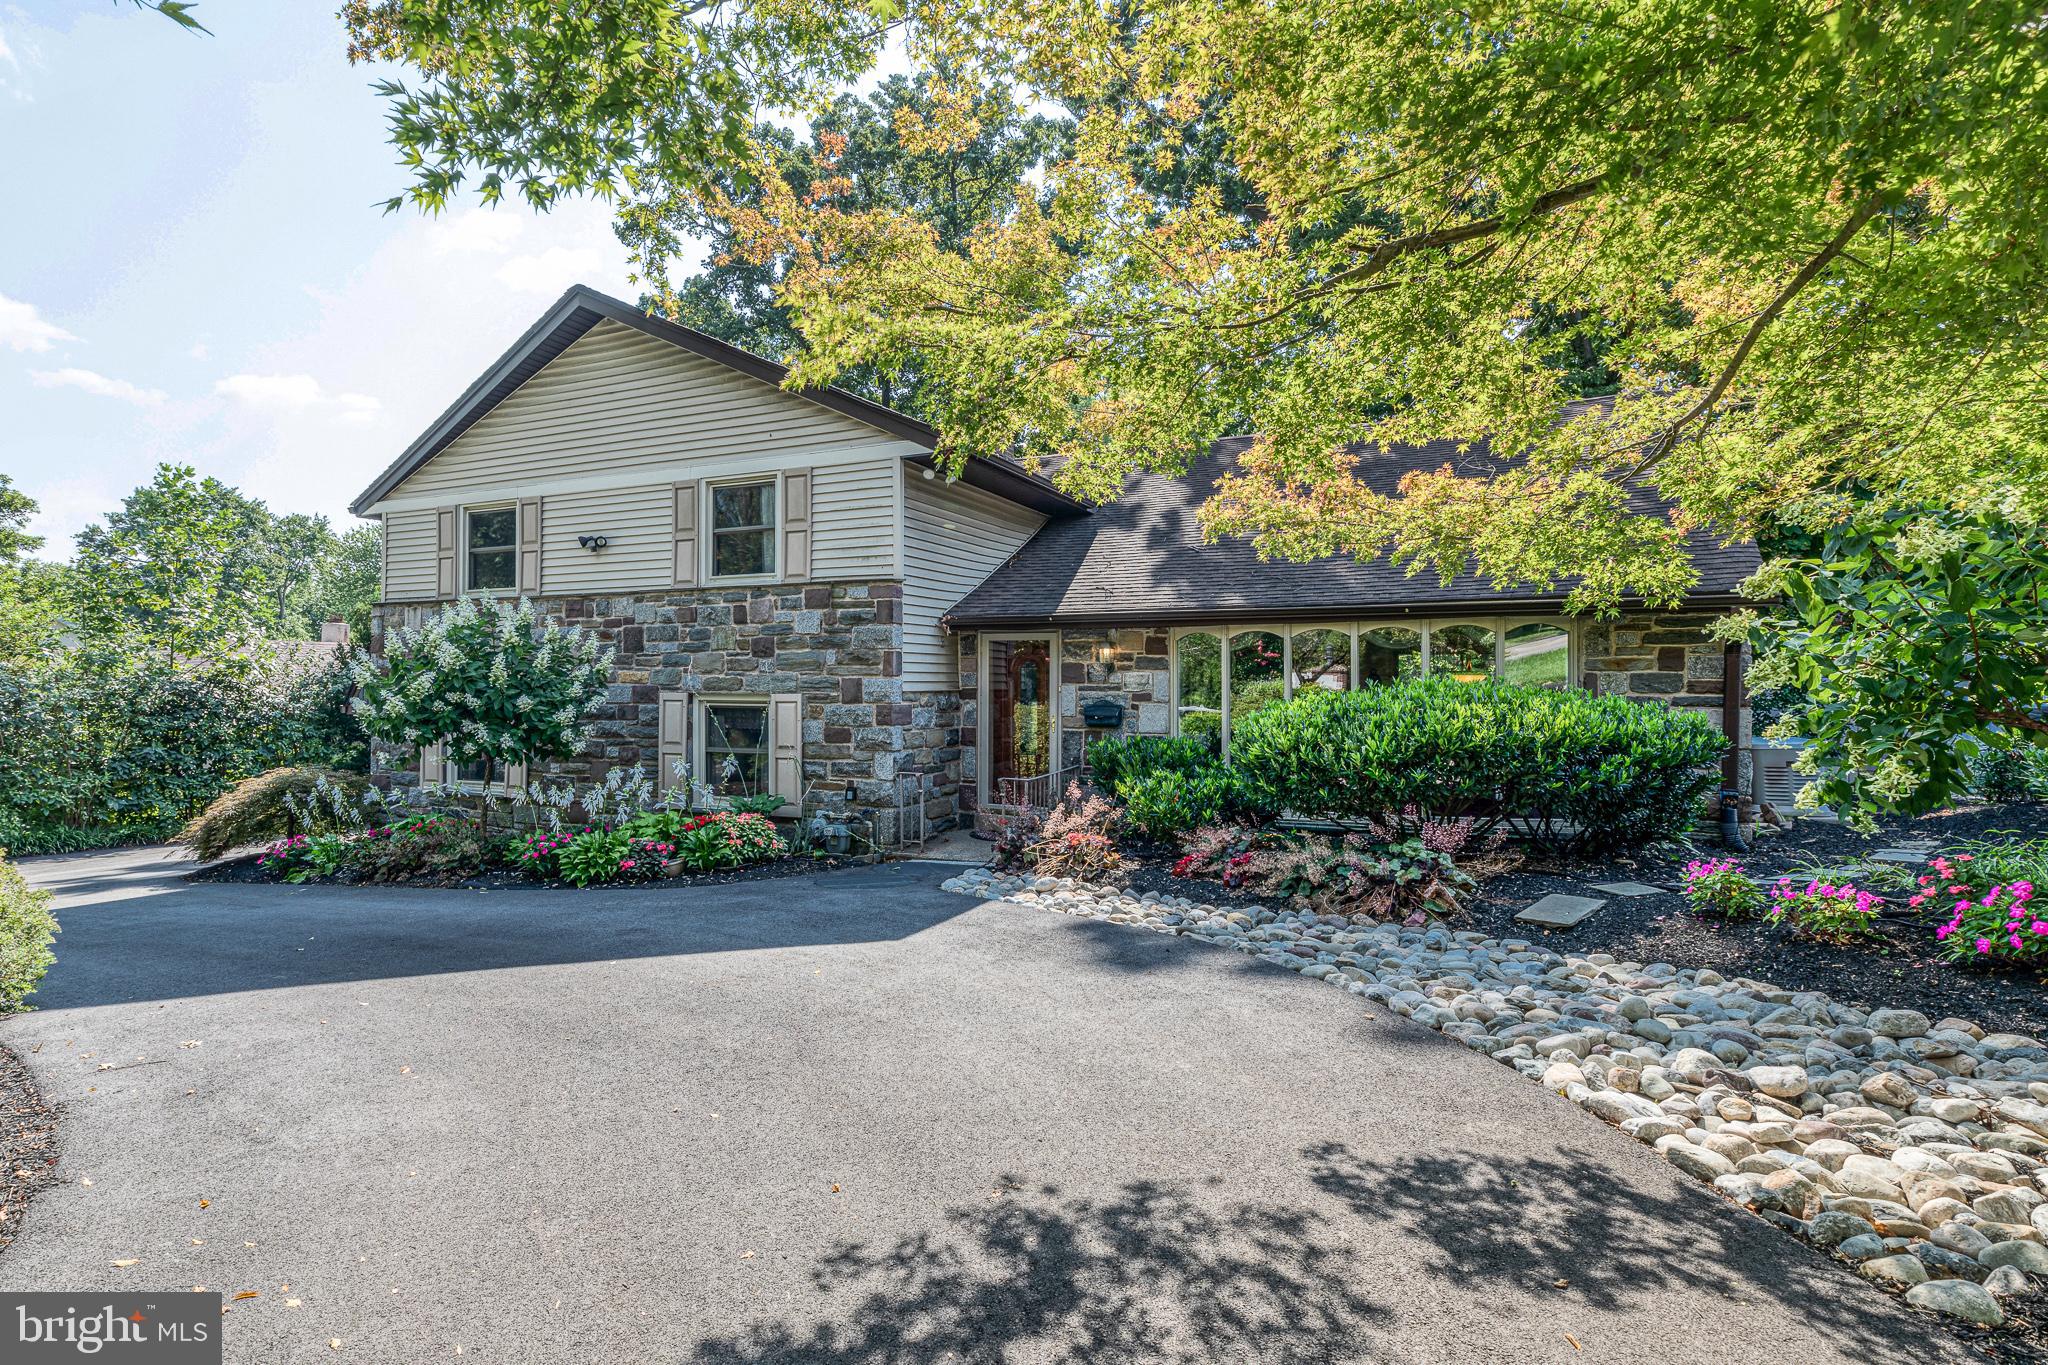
492, 681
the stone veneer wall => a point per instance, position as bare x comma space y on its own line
839, 646
1662, 657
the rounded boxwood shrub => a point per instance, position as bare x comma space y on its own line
1116, 759
27, 929
1166, 802
1568, 770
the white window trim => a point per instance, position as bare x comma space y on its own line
502, 785
708, 538
1423, 625
462, 548
703, 798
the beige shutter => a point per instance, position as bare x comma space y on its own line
447, 523
430, 766
529, 546
686, 534
796, 526
786, 747
383, 559
515, 777
672, 739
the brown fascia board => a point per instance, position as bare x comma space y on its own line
1495, 606
581, 308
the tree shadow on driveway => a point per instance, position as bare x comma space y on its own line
1409, 1257
1156, 1271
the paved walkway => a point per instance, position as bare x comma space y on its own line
843, 1118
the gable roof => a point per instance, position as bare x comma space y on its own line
1142, 559
582, 308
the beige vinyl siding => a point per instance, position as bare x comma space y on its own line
638, 527
954, 537
853, 520
409, 555
617, 400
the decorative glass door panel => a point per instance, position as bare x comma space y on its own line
1022, 707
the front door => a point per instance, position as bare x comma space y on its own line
1022, 709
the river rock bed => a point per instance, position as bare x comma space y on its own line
1915, 1149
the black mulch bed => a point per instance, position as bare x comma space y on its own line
28, 1144
244, 869
1896, 969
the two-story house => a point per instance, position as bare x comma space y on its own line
801, 604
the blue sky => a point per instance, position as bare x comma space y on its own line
194, 266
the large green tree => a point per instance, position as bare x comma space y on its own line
892, 150
1812, 239
183, 566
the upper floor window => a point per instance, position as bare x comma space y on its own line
491, 543
743, 529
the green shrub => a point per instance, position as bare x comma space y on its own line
422, 848
2017, 772
260, 809
27, 929
1124, 756
104, 748
1168, 801
1568, 770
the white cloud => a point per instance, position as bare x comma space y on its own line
293, 394
550, 271
198, 351
486, 230
22, 328
97, 384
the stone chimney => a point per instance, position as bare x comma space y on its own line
334, 633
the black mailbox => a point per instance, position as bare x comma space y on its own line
1102, 713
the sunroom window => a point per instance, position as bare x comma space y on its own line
1222, 674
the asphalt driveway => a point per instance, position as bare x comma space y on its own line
842, 1118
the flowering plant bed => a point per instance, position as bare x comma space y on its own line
1895, 949
441, 850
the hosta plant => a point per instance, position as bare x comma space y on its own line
1722, 888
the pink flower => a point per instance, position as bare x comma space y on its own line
1983, 945
625, 863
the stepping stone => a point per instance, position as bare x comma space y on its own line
1910, 857
1559, 912
1628, 888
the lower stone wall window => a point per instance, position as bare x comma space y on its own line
745, 747
736, 751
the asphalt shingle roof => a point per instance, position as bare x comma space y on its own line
1141, 559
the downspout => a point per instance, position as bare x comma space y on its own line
1731, 762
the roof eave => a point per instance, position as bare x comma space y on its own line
1476, 606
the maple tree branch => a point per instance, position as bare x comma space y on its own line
1665, 441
